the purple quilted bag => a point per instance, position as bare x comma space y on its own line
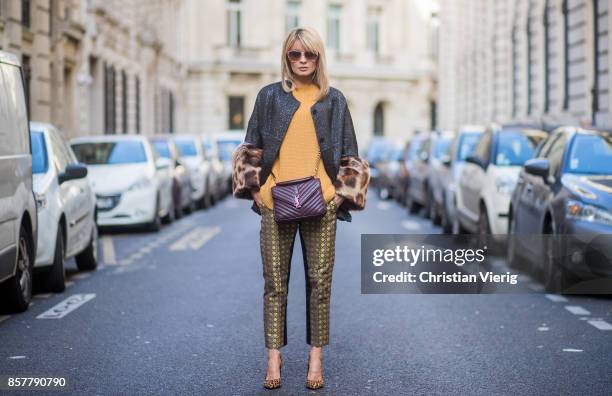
298, 199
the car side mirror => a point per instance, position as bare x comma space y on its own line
538, 167
72, 172
424, 156
475, 160
162, 163
446, 160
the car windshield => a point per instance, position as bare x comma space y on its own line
516, 147
378, 151
39, 153
226, 148
591, 154
110, 153
186, 147
467, 141
162, 147
441, 147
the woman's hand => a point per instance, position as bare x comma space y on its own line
338, 199
257, 197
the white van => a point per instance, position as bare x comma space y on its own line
18, 222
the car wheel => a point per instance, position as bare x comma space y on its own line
429, 204
411, 204
484, 231
16, 292
383, 193
87, 260
512, 253
155, 224
171, 216
554, 275
55, 277
447, 226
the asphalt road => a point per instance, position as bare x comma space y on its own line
180, 312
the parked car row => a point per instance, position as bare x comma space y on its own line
554, 187
54, 195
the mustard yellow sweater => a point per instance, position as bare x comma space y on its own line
298, 151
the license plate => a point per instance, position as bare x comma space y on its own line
105, 203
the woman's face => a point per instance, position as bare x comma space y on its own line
302, 67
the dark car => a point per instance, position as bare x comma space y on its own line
424, 163
438, 174
414, 164
561, 209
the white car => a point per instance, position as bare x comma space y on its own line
192, 153
66, 208
217, 169
133, 185
226, 143
489, 177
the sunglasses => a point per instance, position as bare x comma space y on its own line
295, 56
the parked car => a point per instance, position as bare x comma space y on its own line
460, 148
437, 174
226, 143
561, 210
132, 186
419, 194
400, 183
181, 180
489, 176
18, 220
66, 208
377, 151
192, 152
389, 168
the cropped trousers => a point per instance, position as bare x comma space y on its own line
318, 240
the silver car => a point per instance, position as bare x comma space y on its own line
18, 221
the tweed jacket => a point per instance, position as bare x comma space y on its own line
253, 159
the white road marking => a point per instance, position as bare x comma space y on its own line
4, 317
411, 225
543, 328
556, 298
17, 357
577, 310
535, 287
108, 250
572, 350
69, 283
65, 307
195, 239
601, 324
45, 295
383, 205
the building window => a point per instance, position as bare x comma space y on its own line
25, 13
566, 55
109, 100
166, 105
292, 17
515, 70
236, 112
596, 63
373, 30
379, 120
234, 27
333, 26
27, 77
137, 105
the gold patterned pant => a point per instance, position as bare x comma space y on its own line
318, 240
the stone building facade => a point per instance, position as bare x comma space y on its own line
540, 61
98, 66
379, 56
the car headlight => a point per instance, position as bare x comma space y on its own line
41, 201
504, 186
140, 184
580, 211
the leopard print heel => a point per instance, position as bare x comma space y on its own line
315, 384
275, 382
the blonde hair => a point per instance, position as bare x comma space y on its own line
311, 41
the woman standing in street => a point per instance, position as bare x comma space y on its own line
300, 127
